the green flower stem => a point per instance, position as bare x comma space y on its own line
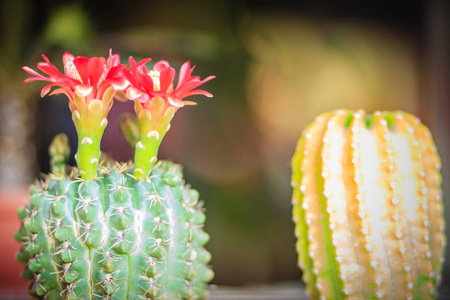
153, 125
145, 157
90, 124
88, 154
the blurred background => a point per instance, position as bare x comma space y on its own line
278, 64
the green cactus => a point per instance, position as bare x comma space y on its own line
367, 207
101, 232
115, 236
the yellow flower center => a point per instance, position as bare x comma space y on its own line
71, 71
155, 77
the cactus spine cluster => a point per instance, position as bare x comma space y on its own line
106, 230
368, 207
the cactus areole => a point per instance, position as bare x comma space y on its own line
110, 230
368, 207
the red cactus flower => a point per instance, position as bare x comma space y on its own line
87, 77
145, 84
90, 84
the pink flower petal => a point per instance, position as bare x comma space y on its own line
189, 103
96, 67
166, 78
48, 69
67, 57
84, 76
175, 101
35, 79
142, 85
133, 93
46, 59
62, 91
144, 98
185, 73
143, 62
115, 71
32, 72
83, 90
119, 84
196, 92
208, 79
47, 89
113, 60
161, 65
81, 63
131, 78
145, 81
132, 63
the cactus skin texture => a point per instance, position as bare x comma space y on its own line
367, 207
115, 237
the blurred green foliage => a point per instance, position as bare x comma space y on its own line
68, 26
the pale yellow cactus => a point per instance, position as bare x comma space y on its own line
368, 207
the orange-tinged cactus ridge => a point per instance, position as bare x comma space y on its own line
367, 205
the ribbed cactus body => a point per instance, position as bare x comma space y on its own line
367, 207
115, 237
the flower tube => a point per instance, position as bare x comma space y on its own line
90, 84
156, 101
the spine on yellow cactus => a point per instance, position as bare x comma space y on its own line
368, 207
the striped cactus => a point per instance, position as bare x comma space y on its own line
368, 207
115, 230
